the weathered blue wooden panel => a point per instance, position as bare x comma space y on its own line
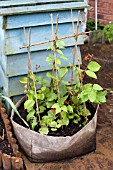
18, 88
3, 58
15, 38
7, 3
37, 19
42, 8
36, 14
3, 81
17, 64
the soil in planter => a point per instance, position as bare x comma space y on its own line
69, 130
5, 147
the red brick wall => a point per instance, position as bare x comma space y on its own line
105, 10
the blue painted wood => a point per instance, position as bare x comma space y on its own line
18, 88
17, 64
3, 81
42, 8
3, 58
15, 38
38, 19
7, 3
36, 14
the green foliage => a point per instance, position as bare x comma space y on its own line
108, 32
58, 102
90, 25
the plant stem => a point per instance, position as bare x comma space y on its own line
55, 54
75, 43
30, 69
53, 67
85, 112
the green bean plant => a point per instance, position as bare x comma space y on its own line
58, 102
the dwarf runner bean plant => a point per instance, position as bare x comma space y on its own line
57, 101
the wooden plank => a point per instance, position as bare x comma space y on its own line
38, 19
16, 88
17, 64
42, 8
3, 81
3, 59
15, 38
32, 2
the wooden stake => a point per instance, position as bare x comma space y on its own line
62, 38
0, 159
6, 159
17, 163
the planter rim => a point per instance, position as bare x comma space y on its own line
60, 137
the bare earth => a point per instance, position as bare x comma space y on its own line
102, 158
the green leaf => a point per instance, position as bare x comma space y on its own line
51, 48
14, 108
30, 115
97, 87
34, 123
51, 96
40, 96
62, 42
31, 92
101, 97
93, 66
53, 129
28, 104
64, 121
64, 108
70, 108
60, 52
92, 95
63, 114
58, 110
84, 98
91, 74
42, 109
71, 116
49, 104
53, 124
49, 58
59, 125
62, 72
63, 57
58, 61
44, 130
63, 90
24, 80
56, 105
43, 88
62, 100
87, 88
49, 75
33, 76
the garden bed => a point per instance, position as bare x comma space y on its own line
10, 156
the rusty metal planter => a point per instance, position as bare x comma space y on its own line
43, 148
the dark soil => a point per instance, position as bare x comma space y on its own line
5, 147
69, 130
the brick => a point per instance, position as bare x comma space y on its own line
105, 12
